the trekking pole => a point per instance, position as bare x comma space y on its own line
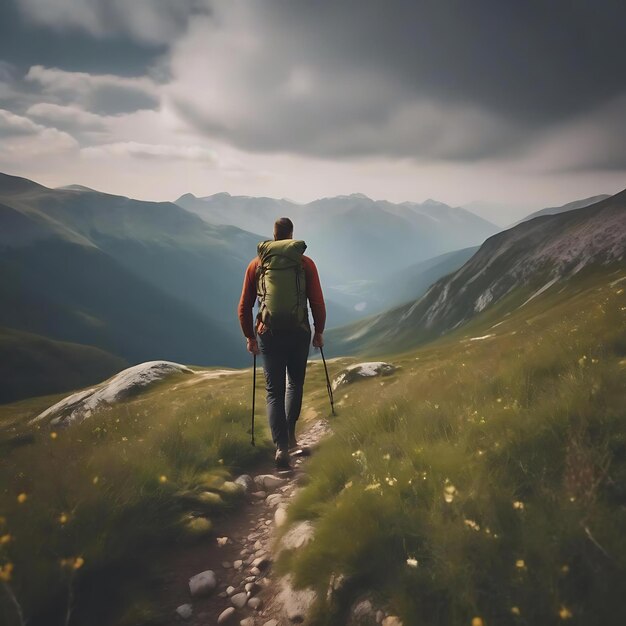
328, 385
253, 393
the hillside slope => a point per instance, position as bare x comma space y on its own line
527, 259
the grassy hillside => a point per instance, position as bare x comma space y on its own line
32, 365
484, 482
118, 490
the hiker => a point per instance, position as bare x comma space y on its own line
283, 279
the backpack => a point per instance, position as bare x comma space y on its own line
281, 284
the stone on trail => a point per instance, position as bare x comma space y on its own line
274, 499
239, 599
249, 621
230, 590
296, 602
298, 536
259, 495
392, 620
272, 622
280, 516
203, 583
245, 480
184, 611
226, 616
254, 603
363, 370
268, 482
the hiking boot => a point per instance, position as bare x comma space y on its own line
291, 433
282, 458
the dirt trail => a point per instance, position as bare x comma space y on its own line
243, 565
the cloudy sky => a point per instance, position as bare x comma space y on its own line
519, 105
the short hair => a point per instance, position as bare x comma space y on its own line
283, 228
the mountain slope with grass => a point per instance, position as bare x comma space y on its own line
509, 270
32, 365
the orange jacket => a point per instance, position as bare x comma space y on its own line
249, 294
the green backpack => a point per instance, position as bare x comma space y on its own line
281, 284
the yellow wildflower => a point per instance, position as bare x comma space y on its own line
478, 621
95, 480
565, 613
5, 572
162, 478
412, 562
53, 435
520, 564
518, 505
22, 498
63, 518
515, 610
5, 539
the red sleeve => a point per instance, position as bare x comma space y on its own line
246, 302
314, 294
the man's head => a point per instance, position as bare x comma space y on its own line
283, 228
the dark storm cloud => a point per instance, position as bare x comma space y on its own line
24, 43
454, 80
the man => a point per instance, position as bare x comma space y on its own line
283, 279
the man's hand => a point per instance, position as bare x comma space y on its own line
252, 346
318, 340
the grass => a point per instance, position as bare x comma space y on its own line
486, 478
85, 510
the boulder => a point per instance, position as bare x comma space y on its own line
245, 480
361, 371
239, 600
227, 616
79, 406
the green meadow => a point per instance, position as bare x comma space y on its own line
482, 483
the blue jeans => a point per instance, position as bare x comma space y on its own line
285, 355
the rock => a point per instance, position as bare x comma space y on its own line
257, 545
392, 620
380, 616
280, 516
259, 495
298, 536
226, 564
226, 616
335, 583
268, 482
245, 480
254, 603
239, 600
255, 571
184, 611
238, 564
261, 562
272, 622
363, 370
230, 590
363, 609
249, 621
252, 588
250, 579
203, 583
296, 602
79, 406
273, 499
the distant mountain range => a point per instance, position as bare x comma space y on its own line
353, 238
99, 281
517, 264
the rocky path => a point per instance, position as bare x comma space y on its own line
230, 580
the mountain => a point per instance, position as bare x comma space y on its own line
409, 283
353, 238
570, 206
139, 280
509, 269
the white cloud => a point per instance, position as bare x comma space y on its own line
67, 116
100, 93
165, 152
23, 139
